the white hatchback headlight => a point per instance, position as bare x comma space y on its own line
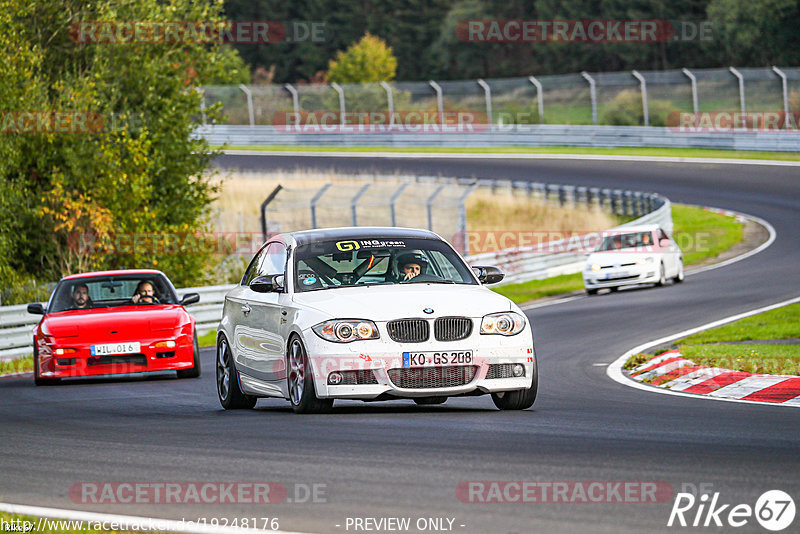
346, 330
644, 261
504, 323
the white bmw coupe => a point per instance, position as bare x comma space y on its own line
370, 314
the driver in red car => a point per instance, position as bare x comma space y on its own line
80, 296
145, 293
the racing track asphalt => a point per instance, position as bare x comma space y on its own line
400, 460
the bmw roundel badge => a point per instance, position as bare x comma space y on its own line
428, 310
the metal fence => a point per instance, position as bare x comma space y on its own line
435, 203
646, 98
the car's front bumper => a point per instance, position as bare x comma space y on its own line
82, 363
621, 276
381, 362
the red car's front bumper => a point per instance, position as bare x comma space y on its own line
76, 360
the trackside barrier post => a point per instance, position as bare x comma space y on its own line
429, 206
785, 90
488, 93
741, 87
539, 97
354, 203
249, 95
592, 94
389, 102
695, 102
313, 204
439, 101
338, 88
643, 87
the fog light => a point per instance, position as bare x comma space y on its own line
335, 378
518, 370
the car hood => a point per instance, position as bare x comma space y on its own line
124, 320
384, 303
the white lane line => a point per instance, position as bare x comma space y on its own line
501, 155
130, 522
614, 371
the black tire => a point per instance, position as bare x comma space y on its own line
613, 289
37, 380
520, 399
194, 371
429, 401
228, 389
300, 381
591, 292
680, 276
662, 280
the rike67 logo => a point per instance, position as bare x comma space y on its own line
774, 510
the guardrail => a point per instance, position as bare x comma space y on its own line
508, 135
520, 264
16, 324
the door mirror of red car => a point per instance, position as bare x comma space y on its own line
268, 283
190, 298
488, 275
36, 308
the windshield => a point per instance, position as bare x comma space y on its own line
108, 291
362, 262
629, 240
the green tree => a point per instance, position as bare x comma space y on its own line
134, 169
368, 60
757, 32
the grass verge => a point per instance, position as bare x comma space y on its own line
631, 151
20, 365
702, 235
716, 347
209, 339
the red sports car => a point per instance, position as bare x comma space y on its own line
114, 322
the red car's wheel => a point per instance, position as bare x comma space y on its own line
38, 380
194, 371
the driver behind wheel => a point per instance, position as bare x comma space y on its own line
411, 265
145, 293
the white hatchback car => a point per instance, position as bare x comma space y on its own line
370, 314
633, 255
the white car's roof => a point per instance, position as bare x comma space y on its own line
638, 228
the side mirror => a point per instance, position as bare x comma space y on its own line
664, 242
36, 308
270, 283
190, 298
488, 275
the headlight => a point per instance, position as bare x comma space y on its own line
644, 261
505, 323
595, 267
346, 330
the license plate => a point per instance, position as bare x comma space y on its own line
132, 347
618, 274
437, 358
